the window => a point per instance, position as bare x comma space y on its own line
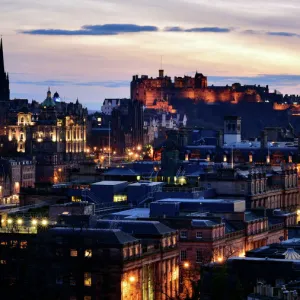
174, 240
183, 255
3, 262
72, 281
23, 244
87, 298
87, 279
125, 252
59, 279
183, 234
198, 256
59, 252
199, 235
73, 252
88, 253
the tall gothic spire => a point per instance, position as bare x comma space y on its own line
2, 69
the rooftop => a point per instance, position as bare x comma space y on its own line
202, 200
101, 236
141, 183
133, 213
134, 227
106, 182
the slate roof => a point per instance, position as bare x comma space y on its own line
121, 172
137, 228
203, 223
103, 236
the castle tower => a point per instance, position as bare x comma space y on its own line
161, 73
232, 129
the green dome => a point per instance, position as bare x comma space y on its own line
48, 102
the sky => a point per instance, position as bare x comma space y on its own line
90, 49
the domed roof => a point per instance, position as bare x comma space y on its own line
48, 102
290, 253
56, 95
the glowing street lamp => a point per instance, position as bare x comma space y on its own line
9, 221
34, 222
44, 222
19, 221
132, 279
186, 265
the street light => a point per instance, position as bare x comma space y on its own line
9, 221
44, 222
19, 221
132, 279
34, 222
186, 265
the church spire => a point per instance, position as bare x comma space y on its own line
2, 70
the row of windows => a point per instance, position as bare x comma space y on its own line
14, 244
184, 234
131, 251
74, 252
87, 280
199, 255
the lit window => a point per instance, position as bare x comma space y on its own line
125, 252
183, 234
183, 255
199, 235
23, 244
174, 240
73, 252
87, 298
88, 253
3, 262
87, 279
250, 158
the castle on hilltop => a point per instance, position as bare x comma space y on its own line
154, 91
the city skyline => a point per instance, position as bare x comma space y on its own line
90, 50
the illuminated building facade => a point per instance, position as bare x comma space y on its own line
150, 90
15, 174
55, 133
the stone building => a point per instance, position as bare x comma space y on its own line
270, 188
54, 133
149, 90
15, 173
88, 263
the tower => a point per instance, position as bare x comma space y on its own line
232, 129
4, 88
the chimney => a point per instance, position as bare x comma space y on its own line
220, 139
263, 139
